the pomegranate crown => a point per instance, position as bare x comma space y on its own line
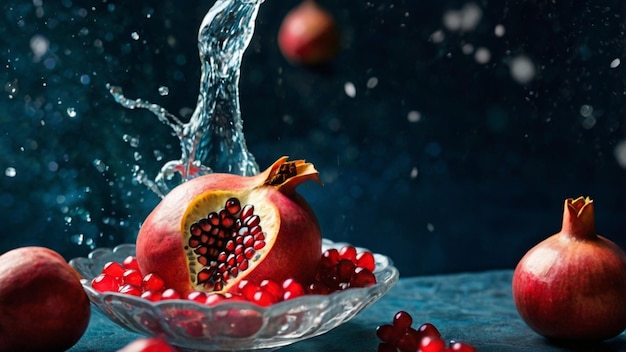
578, 217
287, 175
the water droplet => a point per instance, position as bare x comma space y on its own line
586, 110
616, 62
350, 89
414, 116
414, 173
71, 112
163, 90
522, 69
372, 82
499, 30
10, 172
482, 55
134, 35
620, 153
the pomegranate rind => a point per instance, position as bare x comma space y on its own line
40, 296
161, 239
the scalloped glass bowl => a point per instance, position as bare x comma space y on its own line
231, 326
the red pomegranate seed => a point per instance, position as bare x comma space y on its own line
348, 252
130, 290
197, 296
152, 282
105, 283
432, 344
389, 333
362, 278
214, 298
232, 206
170, 293
461, 347
152, 296
385, 347
330, 258
247, 289
428, 329
402, 319
130, 262
272, 288
263, 298
246, 211
318, 288
114, 269
409, 341
345, 269
292, 289
132, 277
366, 260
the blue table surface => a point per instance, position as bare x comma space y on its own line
472, 307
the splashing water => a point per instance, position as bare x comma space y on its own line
212, 140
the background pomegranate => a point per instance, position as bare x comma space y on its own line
213, 231
42, 303
309, 35
572, 286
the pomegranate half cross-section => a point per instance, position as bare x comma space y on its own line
211, 232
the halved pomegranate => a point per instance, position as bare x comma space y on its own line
213, 231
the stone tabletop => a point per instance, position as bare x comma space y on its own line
472, 307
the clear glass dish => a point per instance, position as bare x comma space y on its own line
231, 326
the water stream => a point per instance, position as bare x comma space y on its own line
212, 140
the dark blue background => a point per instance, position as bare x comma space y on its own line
495, 159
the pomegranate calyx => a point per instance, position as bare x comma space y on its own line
287, 175
578, 218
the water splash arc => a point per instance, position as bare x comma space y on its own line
213, 139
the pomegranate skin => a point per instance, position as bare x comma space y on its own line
295, 253
572, 285
309, 35
43, 306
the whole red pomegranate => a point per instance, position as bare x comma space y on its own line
308, 35
209, 233
43, 306
572, 286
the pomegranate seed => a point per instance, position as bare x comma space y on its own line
247, 289
272, 288
345, 268
402, 319
152, 282
318, 288
232, 206
170, 293
130, 262
132, 277
409, 341
214, 298
428, 329
197, 296
104, 283
263, 298
152, 296
432, 344
292, 289
246, 211
348, 252
130, 290
362, 278
389, 333
330, 258
366, 260
114, 269
461, 347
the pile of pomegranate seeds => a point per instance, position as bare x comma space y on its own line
339, 270
399, 336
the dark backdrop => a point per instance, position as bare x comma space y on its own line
442, 160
